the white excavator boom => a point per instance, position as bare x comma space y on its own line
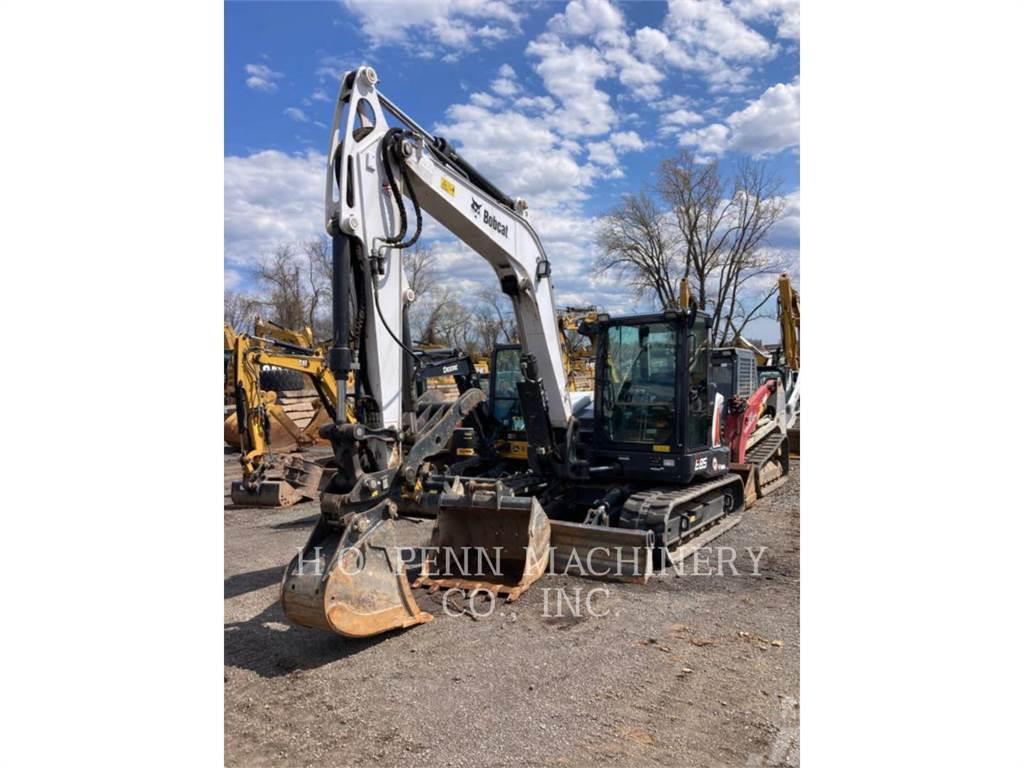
367, 160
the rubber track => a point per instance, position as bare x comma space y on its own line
761, 455
667, 499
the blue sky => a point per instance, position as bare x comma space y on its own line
568, 104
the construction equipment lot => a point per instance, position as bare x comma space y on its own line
695, 670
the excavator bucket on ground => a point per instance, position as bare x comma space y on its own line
485, 539
596, 551
282, 482
352, 581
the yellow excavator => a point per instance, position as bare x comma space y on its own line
269, 478
284, 433
789, 322
577, 358
789, 325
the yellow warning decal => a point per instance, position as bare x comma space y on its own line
662, 448
448, 186
464, 451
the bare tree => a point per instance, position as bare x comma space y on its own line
754, 208
319, 271
420, 266
452, 325
713, 234
751, 308
239, 310
281, 275
486, 327
296, 286
693, 192
499, 306
637, 245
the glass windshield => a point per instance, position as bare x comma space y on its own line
639, 393
505, 405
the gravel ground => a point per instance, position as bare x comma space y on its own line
683, 671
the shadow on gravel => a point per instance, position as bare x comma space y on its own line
271, 647
302, 522
241, 583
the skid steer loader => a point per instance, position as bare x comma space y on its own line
637, 468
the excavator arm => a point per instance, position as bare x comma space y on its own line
789, 322
278, 333
370, 166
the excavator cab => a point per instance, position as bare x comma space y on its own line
503, 397
656, 409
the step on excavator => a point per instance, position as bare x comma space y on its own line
611, 483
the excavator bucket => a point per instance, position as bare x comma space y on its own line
484, 539
286, 481
602, 552
352, 581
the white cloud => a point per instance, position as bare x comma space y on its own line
708, 37
506, 84
676, 101
571, 75
784, 14
678, 118
628, 141
296, 114
640, 76
451, 24
786, 234
713, 25
261, 77
504, 87
532, 162
601, 152
587, 17
271, 197
541, 103
485, 100
769, 124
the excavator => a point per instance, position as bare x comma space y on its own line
611, 482
284, 433
272, 479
